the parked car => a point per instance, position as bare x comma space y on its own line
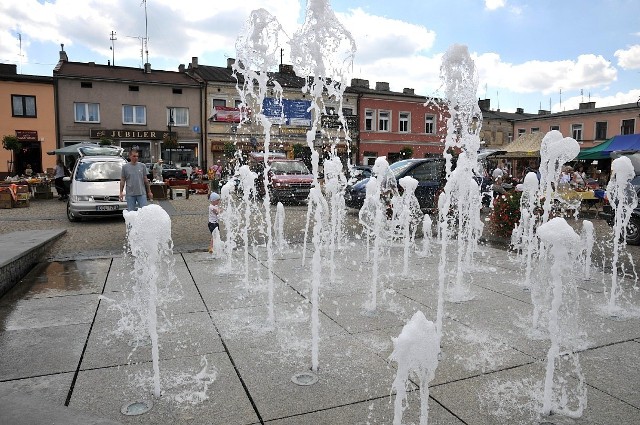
357, 173
95, 184
288, 179
170, 171
429, 172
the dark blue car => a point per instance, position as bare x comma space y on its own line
429, 172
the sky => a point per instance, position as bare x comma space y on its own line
530, 54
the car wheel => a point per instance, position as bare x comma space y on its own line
633, 231
70, 215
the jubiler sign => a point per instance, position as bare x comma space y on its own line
128, 134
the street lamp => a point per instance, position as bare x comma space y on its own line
170, 139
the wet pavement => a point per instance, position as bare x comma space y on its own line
63, 343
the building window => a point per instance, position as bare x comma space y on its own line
628, 126
23, 106
177, 91
554, 127
601, 130
218, 102
368, 119
347, 111
576, 132
134, 88
180, 116
383, 121
87, 112
237, 103
86, 84
521, 131
430, 124
132, 114
404, 122
535, 129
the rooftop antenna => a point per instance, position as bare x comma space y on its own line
113, 48
561, 98
146, 29
485, 90
581, 96
281, 53
498, 98
20, 55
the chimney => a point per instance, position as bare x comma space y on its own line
194, 62
147, 68
63, 54
8, 69
359, 82
181, 67
484, 104
519, 111
286, 69
408, 91
230, 62
382, 86
92, 64
587, 105
543, 112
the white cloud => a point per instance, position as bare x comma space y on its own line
494, 4
629, 58
601, 100
377, 37
545, 76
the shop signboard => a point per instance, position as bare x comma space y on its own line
287, 112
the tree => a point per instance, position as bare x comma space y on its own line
229, 150
105, 141
406, 152
11, 143
170, 142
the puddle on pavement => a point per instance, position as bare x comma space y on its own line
56, 279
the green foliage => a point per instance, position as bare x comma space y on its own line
11, 143
105, 141
406, 152
229, 149
505, 214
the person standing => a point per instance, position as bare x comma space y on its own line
214, 211
157, 170
58, 179
134, 176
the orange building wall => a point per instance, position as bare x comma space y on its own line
44, 123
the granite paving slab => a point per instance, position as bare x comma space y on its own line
53, 388
45, 312
183, 383
41, 351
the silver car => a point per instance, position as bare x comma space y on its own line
95, 186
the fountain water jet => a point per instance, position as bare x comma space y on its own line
149, 243
623, 200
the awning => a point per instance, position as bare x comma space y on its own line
628, 142
72, 149
525, 146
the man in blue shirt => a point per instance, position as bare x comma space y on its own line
134, 175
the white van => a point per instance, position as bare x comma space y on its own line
95, 183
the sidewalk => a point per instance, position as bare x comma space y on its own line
222, 363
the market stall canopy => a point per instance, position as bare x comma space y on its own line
628, 142
72, 149
525, 146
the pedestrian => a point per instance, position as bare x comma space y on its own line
214, 211
157, 170
134, 175
28, 171
58, 179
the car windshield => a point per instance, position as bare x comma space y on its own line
398, 168
288, 167
99, 171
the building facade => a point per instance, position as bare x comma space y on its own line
391, 121
27, 111
233, 126
588, 125
159, 112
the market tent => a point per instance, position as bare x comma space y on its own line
71, 149
525, 146
628, 142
